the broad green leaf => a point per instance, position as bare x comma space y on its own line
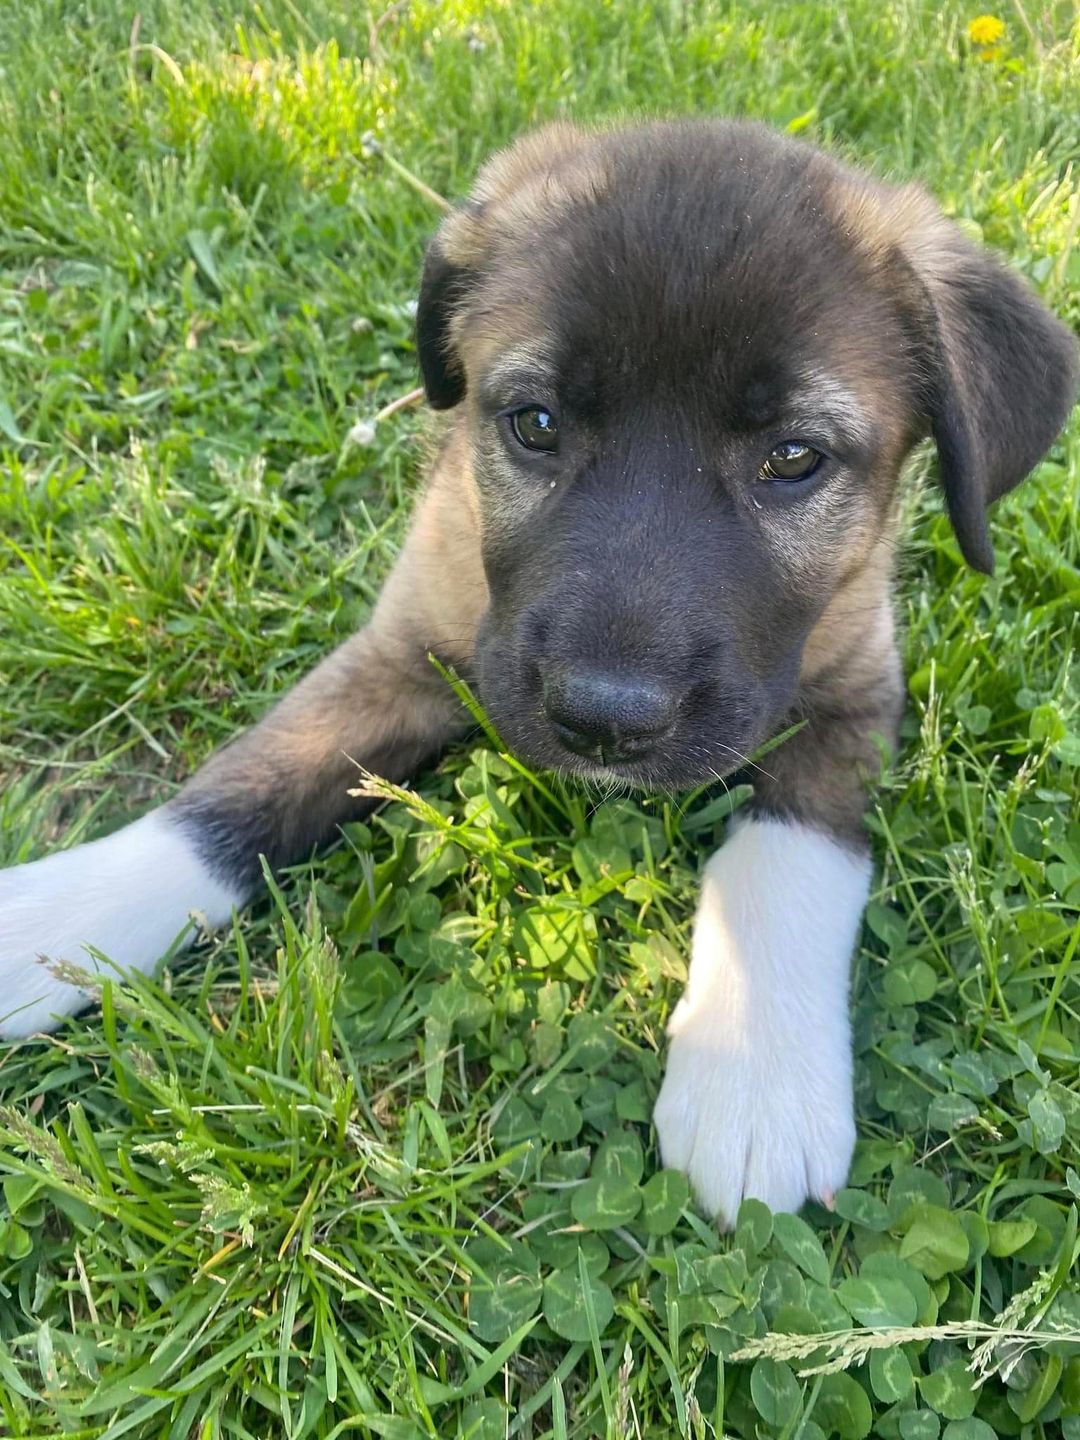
969, 1429
486, 1253
1070, 1386
910, 982
605, 1202
914, 1186
424, 911
593, 1253
775, 1391
876, 1300
753, 1227
1048, 1121
15, 1241
1064, 1314
971, 1075
598, 1102
515, 1122
1039, 1393
484, 1420
823, 1303
977, 1232
862, 1208
554, 933
889, 925
1044, 1245
634, 1102
502, 1302
460, 1006
801, 1246
564, 1304
371, 980
553, 1001
590, 1042
949, 1391
620, 1157
795, 1320
843, 1408
887, 1263
873, 1156
1045, 723
977, 719
727, 1273
783, 1285
558, 1246
919, 1425
936, 1243
949, 1112
18, 1190
600, 860
662, 1199
560, 1119
890, 1376
546, 1043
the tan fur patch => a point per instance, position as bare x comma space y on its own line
857, 628
885, 219
537, 175
851, 691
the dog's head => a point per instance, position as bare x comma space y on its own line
691, 360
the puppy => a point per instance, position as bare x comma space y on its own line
682, 365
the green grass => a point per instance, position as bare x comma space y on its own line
334, 1177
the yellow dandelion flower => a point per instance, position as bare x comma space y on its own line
985, 30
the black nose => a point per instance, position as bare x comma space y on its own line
608, 717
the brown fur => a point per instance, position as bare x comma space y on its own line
850, 699
498, 297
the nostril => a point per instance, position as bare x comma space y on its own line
579, 742
617, 716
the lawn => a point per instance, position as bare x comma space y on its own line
379, 1162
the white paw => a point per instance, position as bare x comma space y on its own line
130, 896
757, 1097
766, 1115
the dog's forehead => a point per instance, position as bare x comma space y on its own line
703, 260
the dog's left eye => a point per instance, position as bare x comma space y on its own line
535, 428
790, 461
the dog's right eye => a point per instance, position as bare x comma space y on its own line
790, 462
535, 428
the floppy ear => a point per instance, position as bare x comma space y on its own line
1003, 375
442, 289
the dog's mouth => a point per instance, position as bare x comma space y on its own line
683, 755
661, 727
686, 762
655, 779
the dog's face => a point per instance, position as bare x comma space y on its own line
691, 360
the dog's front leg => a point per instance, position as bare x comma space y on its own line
278, 791
756, 1099
757, 1096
